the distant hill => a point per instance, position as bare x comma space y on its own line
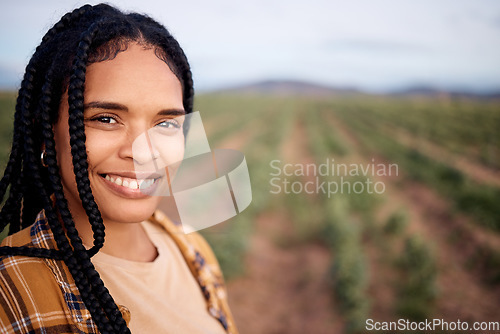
293, 88
430, 91
288, 87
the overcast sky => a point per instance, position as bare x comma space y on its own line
374, 45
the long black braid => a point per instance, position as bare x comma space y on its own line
88, 34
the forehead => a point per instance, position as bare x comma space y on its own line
134, 74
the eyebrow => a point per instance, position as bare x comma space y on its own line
119, 106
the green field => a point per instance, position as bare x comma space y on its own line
438, 209
427, 246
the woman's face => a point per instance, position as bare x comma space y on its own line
123, 98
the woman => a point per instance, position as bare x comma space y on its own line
99, 79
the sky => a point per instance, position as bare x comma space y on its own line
373, 45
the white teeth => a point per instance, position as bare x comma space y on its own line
146, 183
131, 183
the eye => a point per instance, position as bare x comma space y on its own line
169, 124
105, 119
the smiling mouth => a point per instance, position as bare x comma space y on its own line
131, 183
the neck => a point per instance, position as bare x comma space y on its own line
123, 240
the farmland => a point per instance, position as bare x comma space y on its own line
327, 252
425, 245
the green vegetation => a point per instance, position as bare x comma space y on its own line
417, 290
343, 230
321, 133
396, 223
230, 240
350, 227
463, 126
349, 270
7, 104
367, 121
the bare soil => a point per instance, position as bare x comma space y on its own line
285, 290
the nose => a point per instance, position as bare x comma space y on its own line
142, 151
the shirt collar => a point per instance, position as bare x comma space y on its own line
41, 234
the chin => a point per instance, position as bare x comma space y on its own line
128, 213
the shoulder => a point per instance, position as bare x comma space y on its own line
36, 293
205, 250
204, 266
17, 268
193, 245
23, 269
37, 235
25, 279
21, 238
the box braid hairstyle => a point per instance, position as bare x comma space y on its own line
86, 35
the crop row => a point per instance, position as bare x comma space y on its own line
477, 200
350, 224
466, 127
230, 239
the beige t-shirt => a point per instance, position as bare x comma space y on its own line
162, 296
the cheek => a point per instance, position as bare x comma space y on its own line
176, 150
168, 150
173, 154
100, 145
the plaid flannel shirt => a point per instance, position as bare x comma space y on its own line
40, 296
